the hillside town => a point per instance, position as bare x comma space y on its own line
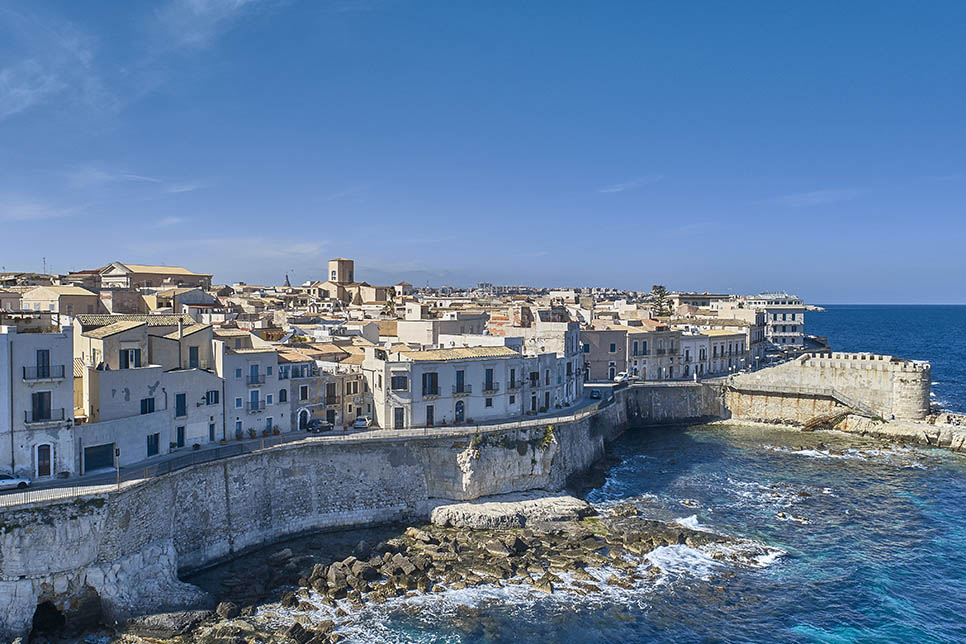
118, 365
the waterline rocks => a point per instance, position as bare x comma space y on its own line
511, 511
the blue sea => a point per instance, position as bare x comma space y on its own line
869, 539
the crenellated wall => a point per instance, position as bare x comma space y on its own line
878, 385
126, 547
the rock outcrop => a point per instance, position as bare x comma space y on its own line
510, 511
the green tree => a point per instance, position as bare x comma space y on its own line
660, 302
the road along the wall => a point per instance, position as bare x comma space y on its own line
117, 554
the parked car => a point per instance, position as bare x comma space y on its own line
8, 482
621, 377
595, 394
317, 425
362, 422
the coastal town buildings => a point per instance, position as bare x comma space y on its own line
132, 362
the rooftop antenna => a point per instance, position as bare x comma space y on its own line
45, 265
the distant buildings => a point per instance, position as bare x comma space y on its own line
126, 363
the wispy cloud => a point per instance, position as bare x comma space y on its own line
54, 60
167, 222
197, 23
25, 85
817, 197
87, 176
632, 184
32, 210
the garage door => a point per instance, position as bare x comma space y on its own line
98, 457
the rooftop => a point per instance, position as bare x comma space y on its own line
112, 329
460, 353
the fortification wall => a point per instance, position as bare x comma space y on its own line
780, 408
126, 547
886, 385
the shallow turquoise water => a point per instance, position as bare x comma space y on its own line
877, 554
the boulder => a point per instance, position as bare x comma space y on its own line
511, 511
166, 625
227, 610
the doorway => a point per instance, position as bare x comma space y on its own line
44, 460
460, 411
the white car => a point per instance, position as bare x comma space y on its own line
621, 377
8, 482
362, 422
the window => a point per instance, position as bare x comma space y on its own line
269, 398
488, 402
546, 376
43, 363
238, 343
212, 397
238, 373
430, 384
282, 395
513, 399
154, 444
513, 378
180, 405
460, 381
379, 382
129, 358
303, 392
238, 403
41, 405
586, 348
147, 405
613, 347
488, 380
635, 347
268, 371
399, 383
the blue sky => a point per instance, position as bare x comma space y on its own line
817, 147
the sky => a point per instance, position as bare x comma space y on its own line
814, 147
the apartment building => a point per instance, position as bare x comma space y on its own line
249, 367
426, 388
144, 391
728, 351
649, 352
784, 319
695, 349
36, 401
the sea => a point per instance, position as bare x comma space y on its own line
867, 540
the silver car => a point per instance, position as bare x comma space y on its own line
8, 482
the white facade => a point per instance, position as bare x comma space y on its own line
36, 402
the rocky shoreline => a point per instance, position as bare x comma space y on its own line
553, 544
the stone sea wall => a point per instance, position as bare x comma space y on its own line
121, 551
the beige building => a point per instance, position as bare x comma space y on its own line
119, 275
65, 301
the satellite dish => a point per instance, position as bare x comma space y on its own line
388, 345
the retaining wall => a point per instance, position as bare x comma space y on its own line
128, 545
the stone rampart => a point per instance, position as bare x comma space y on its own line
126, 547
878, 385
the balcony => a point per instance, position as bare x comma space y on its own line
462, 390
48, 372
195, 364
331, 400
491, 387
431, 394
42, 416
252, 407
256, 380
515, 386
